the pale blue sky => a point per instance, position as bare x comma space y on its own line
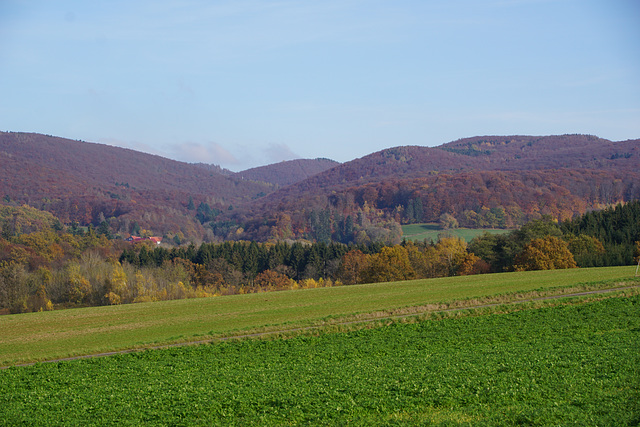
242, 83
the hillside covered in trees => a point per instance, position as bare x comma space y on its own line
44, 264
287, 172
481, 182
500, 182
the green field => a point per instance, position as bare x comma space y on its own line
57, 334
563, 365
431, 231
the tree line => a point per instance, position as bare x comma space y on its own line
476, 199
607, 237
46, 265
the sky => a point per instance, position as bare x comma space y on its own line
243, 83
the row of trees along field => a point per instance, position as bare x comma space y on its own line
607, 237
44, 264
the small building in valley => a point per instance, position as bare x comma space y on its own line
137, 239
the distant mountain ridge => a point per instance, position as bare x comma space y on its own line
84, 182
488, 153
481, 181
96, 163
546, 152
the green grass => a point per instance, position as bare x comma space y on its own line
431, 231
564, 365
50, 335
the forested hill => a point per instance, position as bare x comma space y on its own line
288, 172
507, 153
488, 181
85, 182
89, 164
548, 152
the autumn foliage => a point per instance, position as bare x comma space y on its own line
549, 253
482, 182
46, 265
479, 182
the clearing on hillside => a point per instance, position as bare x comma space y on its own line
432, 231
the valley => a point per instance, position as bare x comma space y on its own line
415, 285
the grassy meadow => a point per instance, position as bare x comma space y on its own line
57, 334
431, 231
575, 364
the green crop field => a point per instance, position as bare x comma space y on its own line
58, 334
431, 231
564, 365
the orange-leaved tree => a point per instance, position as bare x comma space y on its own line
352, 267
270, 280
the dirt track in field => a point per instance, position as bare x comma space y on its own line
350, 322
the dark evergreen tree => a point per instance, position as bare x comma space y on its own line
135, 229
414, 211
348, 229
320, 225
204, 213
617, 228
409, 214
104, 229
130, 256
145, 258
418, 209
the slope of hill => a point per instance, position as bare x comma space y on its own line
484, 154
547, 152
99, 164
490, 181
288, 172
487, 181
85, 182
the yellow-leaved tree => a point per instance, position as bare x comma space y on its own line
389, 265
451, 253
548, 253
116, 287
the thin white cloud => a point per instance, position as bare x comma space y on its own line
132, 145
279, 152
211, 152
190, 152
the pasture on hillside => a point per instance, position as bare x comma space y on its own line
574, 364
432, 231
57, 334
